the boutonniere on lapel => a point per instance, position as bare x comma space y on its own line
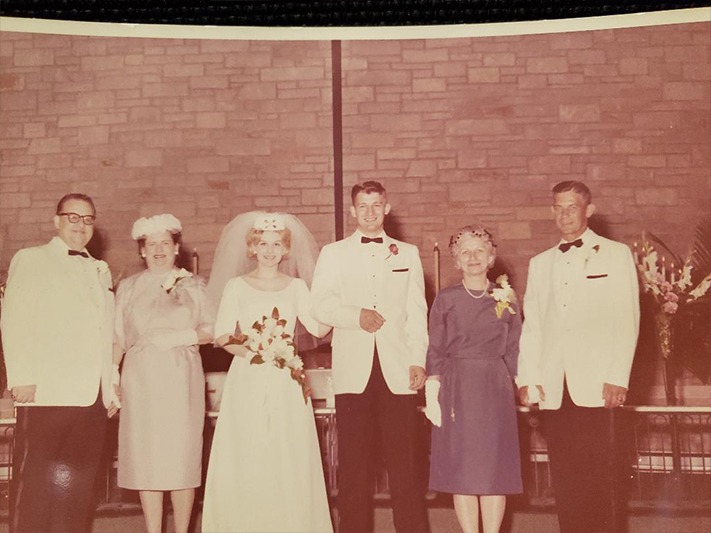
504, 295
393, 249
102, 267
174, 279
591, 252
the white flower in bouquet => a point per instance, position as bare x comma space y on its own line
295, 363
269, 325
269, 343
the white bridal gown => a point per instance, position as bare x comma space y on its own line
265, 472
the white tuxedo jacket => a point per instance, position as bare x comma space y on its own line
592, 339
341, 289
57, 325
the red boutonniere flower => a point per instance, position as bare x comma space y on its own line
393, 251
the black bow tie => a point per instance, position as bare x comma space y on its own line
565, 246
366, 240
76, 252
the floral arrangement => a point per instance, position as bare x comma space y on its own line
504, 295
670, 288
174, 279
267, 342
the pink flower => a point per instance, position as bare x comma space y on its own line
671, 297
666, 286
670, 307
393, 249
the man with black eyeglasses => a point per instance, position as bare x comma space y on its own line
57, 330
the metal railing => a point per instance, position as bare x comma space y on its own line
666, 450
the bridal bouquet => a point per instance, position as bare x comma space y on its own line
268, 343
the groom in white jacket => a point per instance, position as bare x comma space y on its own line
370, 288
578, 340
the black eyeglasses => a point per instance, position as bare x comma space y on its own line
76, 217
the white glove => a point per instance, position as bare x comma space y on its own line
115, 382
433, 411
172, 339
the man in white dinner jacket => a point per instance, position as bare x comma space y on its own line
57, 331
579, 336
370, 288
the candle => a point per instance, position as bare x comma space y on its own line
636, 257
195, 261
664, 268
672, 273
436, 268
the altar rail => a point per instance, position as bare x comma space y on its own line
665, 452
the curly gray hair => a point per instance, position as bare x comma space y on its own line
470, 230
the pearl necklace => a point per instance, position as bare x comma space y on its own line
483, 292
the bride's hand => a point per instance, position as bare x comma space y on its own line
237, 350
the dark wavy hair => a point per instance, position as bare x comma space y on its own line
575, 186
367, 187
75, 196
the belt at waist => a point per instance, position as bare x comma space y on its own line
487, 359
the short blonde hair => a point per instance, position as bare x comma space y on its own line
255, 235
471, 230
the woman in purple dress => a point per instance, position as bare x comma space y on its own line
471, 362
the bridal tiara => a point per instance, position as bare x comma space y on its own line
143, 227
270, 222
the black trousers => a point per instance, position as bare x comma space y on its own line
361, 419
582, 464
56, 458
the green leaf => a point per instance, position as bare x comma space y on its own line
676, 259
275, 313
238, 340
257, 360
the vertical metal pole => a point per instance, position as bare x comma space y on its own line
337, 111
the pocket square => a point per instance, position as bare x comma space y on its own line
597, 276
401, 269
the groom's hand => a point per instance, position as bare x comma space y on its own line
24, 393
417, 377
370, 320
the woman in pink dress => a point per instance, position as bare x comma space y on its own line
161, 318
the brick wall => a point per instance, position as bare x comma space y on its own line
481, 129
457, 130
202, 129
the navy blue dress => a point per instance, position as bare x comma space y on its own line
476, 450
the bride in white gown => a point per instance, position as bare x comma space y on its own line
265, 472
